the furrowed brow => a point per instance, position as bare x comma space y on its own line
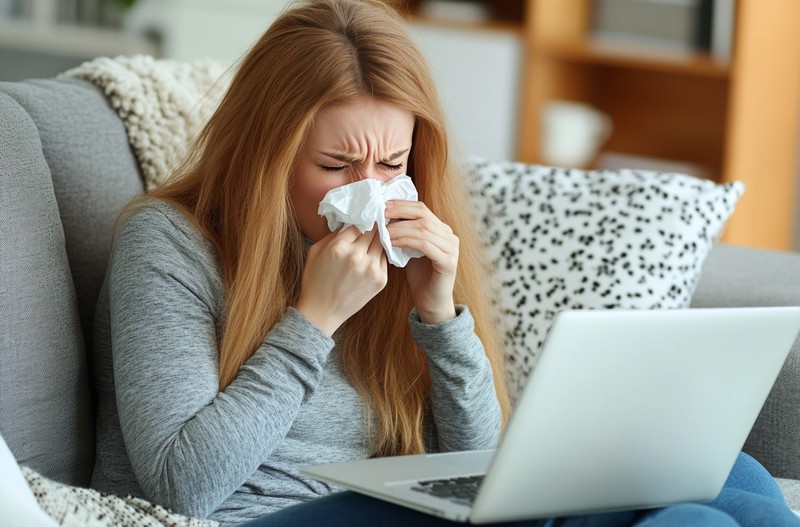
353, 158
345, 158
396, 155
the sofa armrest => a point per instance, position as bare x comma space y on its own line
740, 276
736, 277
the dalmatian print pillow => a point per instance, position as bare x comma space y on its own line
565, 238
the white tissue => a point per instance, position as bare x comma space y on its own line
362, 204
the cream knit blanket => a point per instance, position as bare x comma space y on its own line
79, 507
163, 104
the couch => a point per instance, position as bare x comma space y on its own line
66, 170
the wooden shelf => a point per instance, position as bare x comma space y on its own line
629, 56
489, 25
736, 120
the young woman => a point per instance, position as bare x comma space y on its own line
238, 340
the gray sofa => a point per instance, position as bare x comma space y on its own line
66, 169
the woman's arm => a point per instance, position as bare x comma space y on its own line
190, 445
465, 409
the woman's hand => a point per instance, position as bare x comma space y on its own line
432, 277
343, 271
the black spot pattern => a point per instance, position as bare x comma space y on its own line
565, 238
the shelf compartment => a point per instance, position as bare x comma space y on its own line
629, 56
665, 116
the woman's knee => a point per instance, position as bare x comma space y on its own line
688, 514
750, 509
749, 475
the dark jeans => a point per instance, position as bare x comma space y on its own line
750, 497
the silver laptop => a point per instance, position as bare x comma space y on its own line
624, 410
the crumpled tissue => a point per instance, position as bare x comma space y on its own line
362, 204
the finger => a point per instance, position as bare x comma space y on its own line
324, 241
403, 232
364, 241
442, 261
405, 209
384, 262
376, 251
420, 227
432, 246
375, 246
351, 233
443, 258
341, 240
395, 208
399, 210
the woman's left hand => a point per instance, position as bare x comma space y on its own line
433, 276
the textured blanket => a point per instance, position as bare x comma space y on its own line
163, 103
79, 507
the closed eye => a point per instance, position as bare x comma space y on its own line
389, 166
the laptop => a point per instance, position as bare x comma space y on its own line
624, 410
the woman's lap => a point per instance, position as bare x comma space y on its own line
350, 509
750, 497
749, 475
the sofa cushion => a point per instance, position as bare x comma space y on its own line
45, 408
741, 276
571, 239
93, 170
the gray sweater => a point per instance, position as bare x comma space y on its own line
166, 433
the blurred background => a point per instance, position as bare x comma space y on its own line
705, 87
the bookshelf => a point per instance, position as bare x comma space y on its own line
72, 40
735, 120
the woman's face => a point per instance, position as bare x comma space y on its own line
348, 142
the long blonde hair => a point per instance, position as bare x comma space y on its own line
235, 189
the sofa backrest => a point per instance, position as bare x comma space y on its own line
66, 171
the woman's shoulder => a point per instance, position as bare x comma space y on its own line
158, 235
159, 219
147, 212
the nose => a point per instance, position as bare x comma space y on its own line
370, 172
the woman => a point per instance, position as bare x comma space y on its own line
215, 325
238, 340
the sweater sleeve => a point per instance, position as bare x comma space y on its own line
190, 445
466, 413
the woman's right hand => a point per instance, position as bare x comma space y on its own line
343, 271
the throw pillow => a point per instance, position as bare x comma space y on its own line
572, 239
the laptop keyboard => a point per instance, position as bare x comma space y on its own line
458, 490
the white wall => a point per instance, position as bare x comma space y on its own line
194, 29
478, 76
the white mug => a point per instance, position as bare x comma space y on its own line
572, 133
